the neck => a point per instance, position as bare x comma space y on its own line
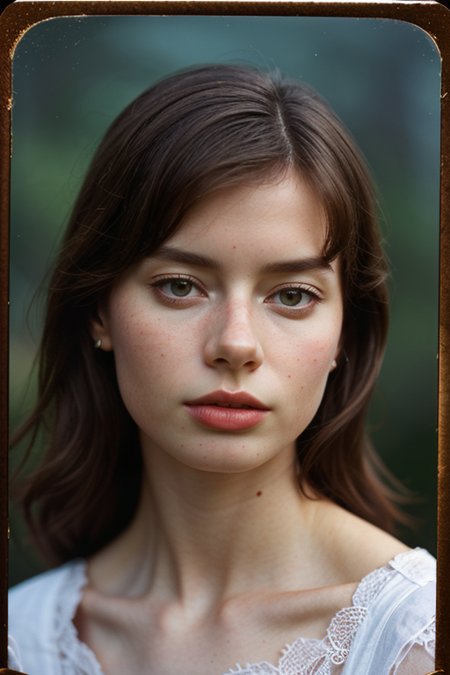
199, 534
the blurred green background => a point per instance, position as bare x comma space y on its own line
72, 76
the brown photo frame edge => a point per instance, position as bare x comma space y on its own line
433, 18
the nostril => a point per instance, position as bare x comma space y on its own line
232, 349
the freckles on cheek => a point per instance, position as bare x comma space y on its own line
308, 356
148, 354
306, 369
139, 349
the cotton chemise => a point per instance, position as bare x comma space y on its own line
388, 630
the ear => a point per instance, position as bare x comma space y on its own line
338, 353
98, 328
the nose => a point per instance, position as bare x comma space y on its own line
231, 339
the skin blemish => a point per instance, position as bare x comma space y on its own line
200, 444
162, 354
259, 493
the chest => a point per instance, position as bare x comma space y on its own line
136, 637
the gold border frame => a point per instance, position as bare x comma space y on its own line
429, 15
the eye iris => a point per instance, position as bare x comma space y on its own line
291, 296
181, 287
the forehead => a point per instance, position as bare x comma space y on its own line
257, 219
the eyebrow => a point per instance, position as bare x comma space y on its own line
176, 255
293, 266
285, 267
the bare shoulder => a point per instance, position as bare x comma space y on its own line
356, 546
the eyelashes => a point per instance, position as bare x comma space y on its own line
295, 298
178, 289
183, 290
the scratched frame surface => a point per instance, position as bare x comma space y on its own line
432, 17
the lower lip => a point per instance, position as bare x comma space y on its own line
228, 419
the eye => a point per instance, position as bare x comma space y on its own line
176, 288
295, 298
180, 287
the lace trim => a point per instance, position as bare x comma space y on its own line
76, 657
427, 638
308, 656
304, 656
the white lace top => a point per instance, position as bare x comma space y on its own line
388, 630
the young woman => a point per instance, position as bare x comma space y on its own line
215, 325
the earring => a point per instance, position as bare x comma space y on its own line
98, 344
333, 365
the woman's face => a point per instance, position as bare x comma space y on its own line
238, 308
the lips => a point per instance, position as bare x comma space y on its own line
228, 411
228, 398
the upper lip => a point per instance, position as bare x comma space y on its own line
227, 398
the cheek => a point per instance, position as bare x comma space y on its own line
154, 357
305, 367
147, 358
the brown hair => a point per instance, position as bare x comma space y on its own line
177, 143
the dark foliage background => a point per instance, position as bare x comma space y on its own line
72, 76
